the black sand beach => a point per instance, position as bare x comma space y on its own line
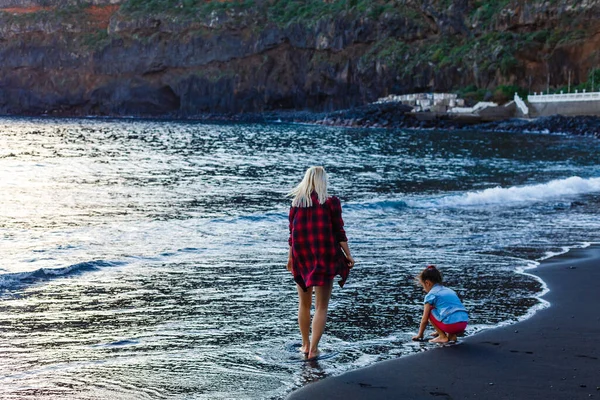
553, 355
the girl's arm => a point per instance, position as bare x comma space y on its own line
424, 321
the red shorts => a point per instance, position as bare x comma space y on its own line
452, 329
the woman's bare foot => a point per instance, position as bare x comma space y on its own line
439, 339
452, 338
313, 354
304, 348
434, 334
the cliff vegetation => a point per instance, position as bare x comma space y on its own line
186, 58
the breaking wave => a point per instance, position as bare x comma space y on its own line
18, 279
518, 194
377, 205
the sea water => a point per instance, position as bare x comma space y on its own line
146, 259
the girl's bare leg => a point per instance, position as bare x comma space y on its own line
304, 302
441, 338
322, 296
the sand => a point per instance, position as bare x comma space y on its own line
555, 354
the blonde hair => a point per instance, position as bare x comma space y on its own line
315, 180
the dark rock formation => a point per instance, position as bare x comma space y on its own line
397, 116
582, 125
63, 57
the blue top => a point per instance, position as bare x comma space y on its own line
447, 307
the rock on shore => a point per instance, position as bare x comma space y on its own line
580, 125
398, 116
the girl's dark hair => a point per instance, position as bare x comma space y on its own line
431, 273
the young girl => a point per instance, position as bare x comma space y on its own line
442, 308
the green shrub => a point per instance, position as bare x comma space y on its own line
505, 93
486, 11
184, 7
508, 63
391, 52
95, 40
474, 96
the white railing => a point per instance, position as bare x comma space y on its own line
471, 110
461, 110
416, 97
562, 97
521, 104
484, 104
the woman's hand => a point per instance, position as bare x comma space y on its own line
290, 262
350, 261
346, 251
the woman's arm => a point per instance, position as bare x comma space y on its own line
337, 222
290, 262
291, 216
424, 321
347, 253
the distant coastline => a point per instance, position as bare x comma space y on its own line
383, 116
398, 116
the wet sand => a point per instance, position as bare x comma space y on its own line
553, 355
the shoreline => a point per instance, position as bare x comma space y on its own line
375, 116
551, 354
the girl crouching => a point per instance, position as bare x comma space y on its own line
442, 308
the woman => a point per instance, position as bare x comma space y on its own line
318, 252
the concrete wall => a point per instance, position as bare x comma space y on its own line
564, 108
498, 113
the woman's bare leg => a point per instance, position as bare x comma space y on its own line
322, 294
304, 302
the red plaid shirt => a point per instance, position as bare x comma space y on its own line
315, 236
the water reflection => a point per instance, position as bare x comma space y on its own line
311, 371
146, 259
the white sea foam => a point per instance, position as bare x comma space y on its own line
518, 194
550, 254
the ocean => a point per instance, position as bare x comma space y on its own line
146, 259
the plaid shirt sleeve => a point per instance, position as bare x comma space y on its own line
291, 218
336, 220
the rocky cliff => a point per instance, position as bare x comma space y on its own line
184, 58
